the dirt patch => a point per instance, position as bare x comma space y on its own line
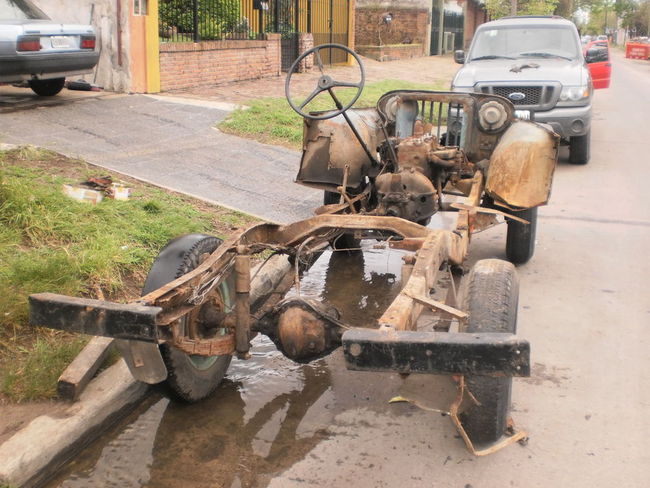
541, 374
427, 69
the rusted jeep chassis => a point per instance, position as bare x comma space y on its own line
385, 172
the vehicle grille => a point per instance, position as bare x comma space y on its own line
533, 94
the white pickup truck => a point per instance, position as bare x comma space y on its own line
537, 63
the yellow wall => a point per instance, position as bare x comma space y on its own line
152, 48
144, 55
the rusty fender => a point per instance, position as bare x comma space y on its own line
521, 168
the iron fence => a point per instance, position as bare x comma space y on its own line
204, 20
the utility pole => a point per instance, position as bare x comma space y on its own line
513, 7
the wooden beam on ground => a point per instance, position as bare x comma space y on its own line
80, 371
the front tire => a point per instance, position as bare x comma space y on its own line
520, 240
490, 296
579, 149
190, 378
47, 88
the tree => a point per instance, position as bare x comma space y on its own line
501, 8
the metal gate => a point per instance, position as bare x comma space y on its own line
451, 22
285, 20
328, 22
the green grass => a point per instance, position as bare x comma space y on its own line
35, 375
52, 243
272, 121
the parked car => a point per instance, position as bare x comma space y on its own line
597, 55
42, 52
538, 64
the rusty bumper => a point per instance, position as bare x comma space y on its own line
489, 354
94, 317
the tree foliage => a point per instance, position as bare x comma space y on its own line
215, 17
502, 8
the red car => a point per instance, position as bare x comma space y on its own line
597, 56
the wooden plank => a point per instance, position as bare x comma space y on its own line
80, 371
436, 305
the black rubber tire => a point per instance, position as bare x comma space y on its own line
580, 149
490, 296
186, 381
520, 240
47, 88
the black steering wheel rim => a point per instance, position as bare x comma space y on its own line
325, 83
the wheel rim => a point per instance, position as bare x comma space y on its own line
203, 363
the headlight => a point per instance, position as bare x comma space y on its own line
492, 116
575, 93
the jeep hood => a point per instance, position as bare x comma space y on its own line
568, 73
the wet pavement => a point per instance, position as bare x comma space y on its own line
583, 306
13, 99
268, 414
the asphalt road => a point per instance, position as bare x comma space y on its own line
174, 145
584, 306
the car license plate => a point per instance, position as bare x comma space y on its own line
59, 42
523, 114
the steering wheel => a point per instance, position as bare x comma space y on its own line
325, 83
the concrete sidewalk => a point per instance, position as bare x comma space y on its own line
173, 145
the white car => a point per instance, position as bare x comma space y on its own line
35, 49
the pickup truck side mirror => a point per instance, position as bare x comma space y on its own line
459, 56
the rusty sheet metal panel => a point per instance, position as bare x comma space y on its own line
330, 144
522, 165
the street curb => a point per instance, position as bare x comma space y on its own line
48, 442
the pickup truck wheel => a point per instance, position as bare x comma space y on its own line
490, 295
191, 377
47, 88
520, 240
579, 149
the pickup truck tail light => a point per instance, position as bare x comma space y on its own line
87, 42
28, 43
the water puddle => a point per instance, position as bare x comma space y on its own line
269, 412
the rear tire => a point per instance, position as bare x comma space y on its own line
47, 88
490, 296
190, 378
520, 240
579, 149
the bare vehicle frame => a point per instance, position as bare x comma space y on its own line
384, 172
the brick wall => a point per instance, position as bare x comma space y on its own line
475, 15
187, 64
392, 52
305, 43
409, 26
